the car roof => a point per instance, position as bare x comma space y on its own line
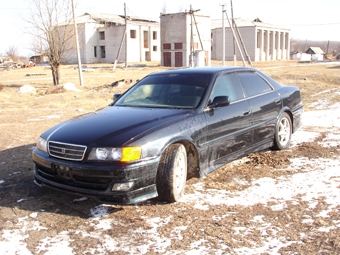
204, 70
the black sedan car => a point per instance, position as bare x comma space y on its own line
168, 127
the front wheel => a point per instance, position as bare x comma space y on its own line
283, 132
172, 173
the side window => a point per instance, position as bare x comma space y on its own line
101, 35
253, 84
227, 85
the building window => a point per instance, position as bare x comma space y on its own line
154, 35
95, 51
133, 34
178, 46
166, 46
146, 39
101, 35
102, 51
154, 48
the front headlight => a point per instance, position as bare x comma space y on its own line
42, 144
125, 154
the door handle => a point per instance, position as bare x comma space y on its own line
246, 112
278, 101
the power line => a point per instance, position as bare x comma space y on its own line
322, 24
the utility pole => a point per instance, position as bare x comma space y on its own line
234, 35
77, 43
126, 44
233, 24
191, 40
223, 37
192, 45
327, 48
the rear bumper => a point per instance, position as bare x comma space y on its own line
297, 117
96, 179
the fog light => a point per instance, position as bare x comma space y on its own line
124, 186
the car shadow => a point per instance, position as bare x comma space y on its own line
334, 67
13, 86
18, 190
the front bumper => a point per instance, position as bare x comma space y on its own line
96, 179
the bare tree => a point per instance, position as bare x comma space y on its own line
50, 26
13, 53
164, 7
180, 8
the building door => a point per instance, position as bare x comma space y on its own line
147, 56
167, 58
178, 59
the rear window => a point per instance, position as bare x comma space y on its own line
253, 84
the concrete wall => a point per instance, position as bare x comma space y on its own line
272, 44
261, 43
138, 50
248, 37
145, 47
317, 57
176, 29
89, 40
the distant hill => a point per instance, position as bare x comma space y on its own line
303, 45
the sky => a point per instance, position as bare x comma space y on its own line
307, 19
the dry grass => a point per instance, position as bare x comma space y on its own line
311, 78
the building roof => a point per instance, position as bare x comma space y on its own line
244, 23
110, 18
315, 50
198, 13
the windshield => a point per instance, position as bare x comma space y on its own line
166, 91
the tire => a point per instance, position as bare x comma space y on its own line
172, 173
283, 132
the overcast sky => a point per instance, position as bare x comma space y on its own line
307, 19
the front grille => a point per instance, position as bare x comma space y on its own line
66, 151
73, 178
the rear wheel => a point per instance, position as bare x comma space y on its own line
283, 132
172, 173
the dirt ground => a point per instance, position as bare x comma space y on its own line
36, 220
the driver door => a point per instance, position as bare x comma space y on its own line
229, 128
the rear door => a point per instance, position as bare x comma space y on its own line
265, 104
229, 127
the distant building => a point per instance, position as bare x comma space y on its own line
39, 59
263, 42
312, 54
316, 53
185, 39
300, 56
101, 37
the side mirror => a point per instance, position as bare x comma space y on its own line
219, 102
116, 96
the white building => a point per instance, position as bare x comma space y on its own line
185, 39
316, 53
101, 38
263, 42
302, 56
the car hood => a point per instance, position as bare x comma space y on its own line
112, 126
